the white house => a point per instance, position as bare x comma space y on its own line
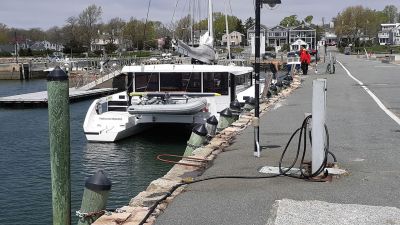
251, 39
277, 36
235, 38
295, 46
305, 33
44, 45
389, 34
100, 42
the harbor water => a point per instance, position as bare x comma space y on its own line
25, 182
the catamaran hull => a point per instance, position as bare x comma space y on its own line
116, 136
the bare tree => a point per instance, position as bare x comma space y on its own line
88, 21
391, 13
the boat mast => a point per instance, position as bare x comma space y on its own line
191, 9
210, 20
228, 37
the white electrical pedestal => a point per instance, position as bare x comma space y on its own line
318, 123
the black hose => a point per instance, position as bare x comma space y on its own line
303, 133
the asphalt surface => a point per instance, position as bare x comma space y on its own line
365, 140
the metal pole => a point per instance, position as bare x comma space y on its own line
59, 135
257, 81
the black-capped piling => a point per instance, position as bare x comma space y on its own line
94, 200
211, 126
226, 118
59, 140
197, 139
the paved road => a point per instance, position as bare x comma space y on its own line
364, 138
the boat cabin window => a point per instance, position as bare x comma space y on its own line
216, 82
146, 82
242, 82
186, 82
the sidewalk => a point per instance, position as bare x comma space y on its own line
361, 139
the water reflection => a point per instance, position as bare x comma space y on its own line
131, 163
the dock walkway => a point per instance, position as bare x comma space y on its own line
39, 99
364, 139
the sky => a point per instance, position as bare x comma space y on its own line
48, 13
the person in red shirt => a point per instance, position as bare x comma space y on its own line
305, 59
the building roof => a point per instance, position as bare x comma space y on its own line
278, 27
303, 27
262, 27
7, 48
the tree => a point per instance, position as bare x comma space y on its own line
391, 13
308, 19
248, 23
110, 47
54, 35
88, 23
114, 28
3, 33
356, 21
290, 21
182, 28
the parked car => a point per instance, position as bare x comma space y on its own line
269, 55
347, 50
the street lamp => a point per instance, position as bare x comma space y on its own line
256, 122
271, 3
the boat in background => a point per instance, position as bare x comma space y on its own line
176, 94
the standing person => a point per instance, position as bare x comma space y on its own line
305, 59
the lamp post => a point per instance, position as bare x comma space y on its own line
256, 123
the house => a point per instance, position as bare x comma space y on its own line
235, 38
296, 45
251, 38
389, 34
277, 37
102, 40
251, 31
46, 45
304, 32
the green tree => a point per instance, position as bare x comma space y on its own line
356, 21
309, 19
3, 34
248, 23
290, 21
110, 48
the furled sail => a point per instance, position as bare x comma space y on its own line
205, 52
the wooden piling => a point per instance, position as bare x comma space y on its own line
196, 140
59, 136
94, 200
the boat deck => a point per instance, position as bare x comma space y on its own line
39, 99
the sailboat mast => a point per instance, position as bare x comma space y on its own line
191, 9
210, 19
228, 38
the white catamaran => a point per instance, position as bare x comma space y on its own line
169, 93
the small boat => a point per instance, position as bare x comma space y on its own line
155, 105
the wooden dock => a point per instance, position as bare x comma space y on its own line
39, 99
